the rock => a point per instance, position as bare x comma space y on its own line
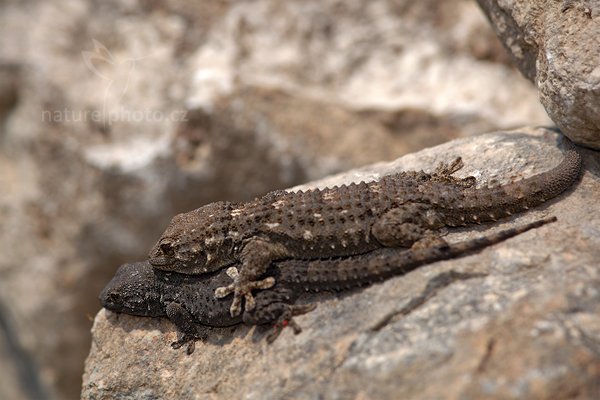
556, 45
530, 328
114, 116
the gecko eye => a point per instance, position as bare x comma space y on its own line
114, 298
201, 258
167, 249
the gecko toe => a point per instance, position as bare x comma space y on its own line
245, 293
250, 302
302, 309
186, 340
280, 325
190, 347
236, 306
224, 291
286, 319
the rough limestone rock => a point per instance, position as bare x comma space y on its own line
556, 45
116, 115
528, 329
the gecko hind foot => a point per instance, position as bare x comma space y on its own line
448, 169
287, 319
444, 171
429, 241
243, 290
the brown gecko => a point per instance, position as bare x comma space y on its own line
399, 210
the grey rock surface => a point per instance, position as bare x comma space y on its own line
556, 44
528, 329
114, 116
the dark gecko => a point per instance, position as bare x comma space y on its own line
396, 211
188, 300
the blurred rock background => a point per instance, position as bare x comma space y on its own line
116, 115
556, 45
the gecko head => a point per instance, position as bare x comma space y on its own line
195, 242
133, 291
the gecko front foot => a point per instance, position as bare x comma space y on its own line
186, 339
242, 289
187, 331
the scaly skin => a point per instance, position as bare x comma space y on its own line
396, 211
188, 300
